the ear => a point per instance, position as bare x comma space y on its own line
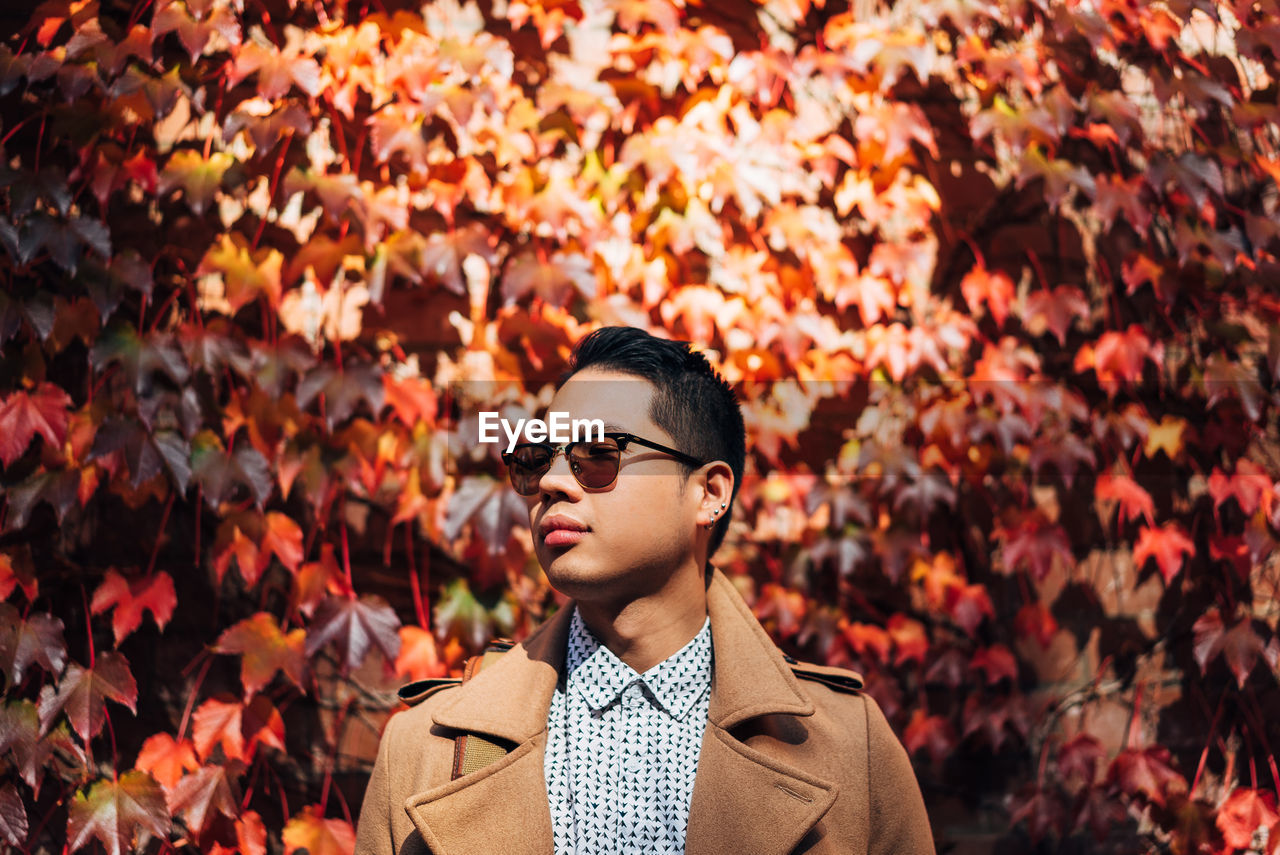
717, 491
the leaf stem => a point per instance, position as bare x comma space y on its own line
164, 522
88, 623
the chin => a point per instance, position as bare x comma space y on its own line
578, 579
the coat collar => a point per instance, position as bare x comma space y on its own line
510, 699
743, 799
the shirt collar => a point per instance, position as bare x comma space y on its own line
599, 677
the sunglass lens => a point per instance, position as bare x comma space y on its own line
595, 464
527, 466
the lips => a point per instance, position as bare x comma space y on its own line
560, 530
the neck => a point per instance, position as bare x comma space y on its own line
649, 629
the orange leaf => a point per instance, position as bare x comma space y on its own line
411, 399
251, 834
315, 579
283, 537
237, 727
1167, 436
131, 598
264, 649
909, 637
1244, 813
419, 658
1167, 545
864, 637
246, 273
995, 289
167, 758
309, 830
217, 722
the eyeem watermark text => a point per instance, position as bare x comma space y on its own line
557, 429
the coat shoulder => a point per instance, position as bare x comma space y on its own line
418, 691
839, 680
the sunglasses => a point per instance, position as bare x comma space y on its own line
594, 463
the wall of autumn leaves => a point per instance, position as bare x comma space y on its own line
997, 283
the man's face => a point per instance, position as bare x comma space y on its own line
621, 542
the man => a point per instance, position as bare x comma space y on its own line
653, 714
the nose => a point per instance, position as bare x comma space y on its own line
559, 480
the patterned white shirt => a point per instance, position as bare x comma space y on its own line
622, 747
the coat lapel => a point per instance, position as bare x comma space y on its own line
503, 807
744, 800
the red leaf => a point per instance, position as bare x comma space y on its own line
969, 605
1249, 485
1118, 357
310, 831
83, 692
131, 598
1055, 311
1167, 545
1041, 810
1078, 759
1034, 620
1244, 814
20, 740
997, 662
1134, 500
166, 758
781, 609
909, 637
1034, 543
1145, 772
265, 649
1240, 646
113, 811
36, 638
24, 414
353, 626
198, 795
932, 732
16, 572
13, 816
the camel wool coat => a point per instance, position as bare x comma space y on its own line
794, 759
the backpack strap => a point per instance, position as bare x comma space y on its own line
471, 751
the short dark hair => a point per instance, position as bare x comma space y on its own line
692, 403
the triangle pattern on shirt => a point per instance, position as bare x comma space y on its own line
623, 748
